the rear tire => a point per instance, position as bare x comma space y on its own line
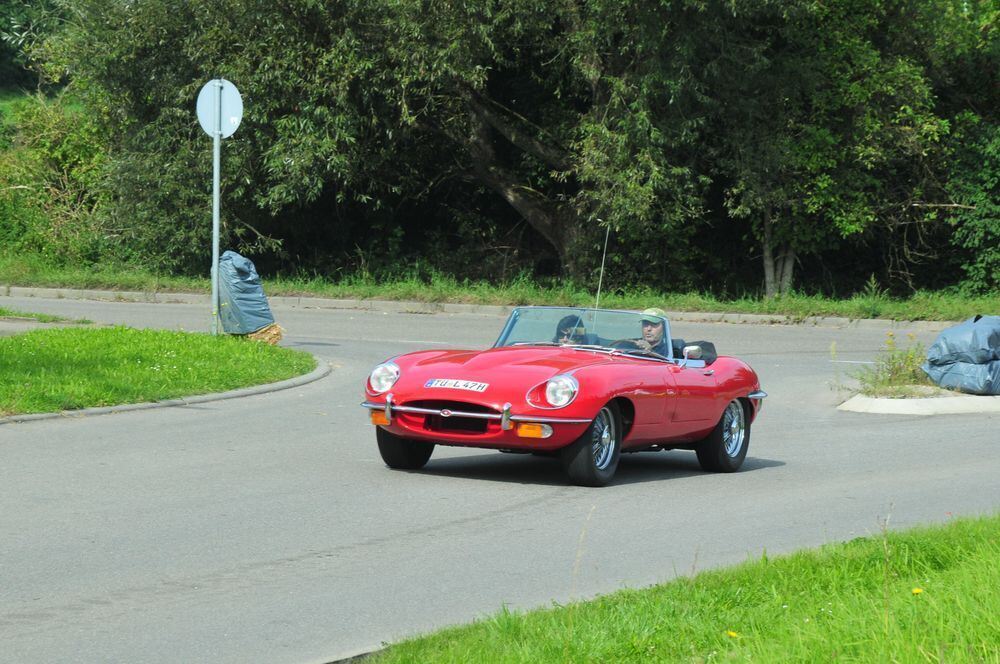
592, 459
402, 453
724, 450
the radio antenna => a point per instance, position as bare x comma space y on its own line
600, 279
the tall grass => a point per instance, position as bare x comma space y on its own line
35, 270
896, 372
28, 270
10, 98
926, 595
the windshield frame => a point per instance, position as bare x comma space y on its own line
515, 314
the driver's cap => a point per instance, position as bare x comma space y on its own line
654, 315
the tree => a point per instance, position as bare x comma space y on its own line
23, 25
808, 123
551, 107
809, 126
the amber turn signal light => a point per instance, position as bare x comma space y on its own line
378, 417
532, 430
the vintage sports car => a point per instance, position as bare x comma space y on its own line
585, 385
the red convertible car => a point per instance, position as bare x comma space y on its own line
585, 385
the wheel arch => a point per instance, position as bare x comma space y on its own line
748, 409
627, 411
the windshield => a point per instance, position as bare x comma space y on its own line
601, 328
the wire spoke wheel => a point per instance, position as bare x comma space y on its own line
733, 429
592, 459
603, 439
725, 448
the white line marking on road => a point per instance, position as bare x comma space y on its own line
306, 340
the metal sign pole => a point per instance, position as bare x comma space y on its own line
216, 170
217, 99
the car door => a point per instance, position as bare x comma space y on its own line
697, 391
650, 387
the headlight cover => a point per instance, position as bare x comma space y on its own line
383, 377
561, 390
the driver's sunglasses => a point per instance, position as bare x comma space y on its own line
573, 333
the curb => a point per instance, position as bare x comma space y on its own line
321, 371
404, 307
104, 295
959, 404
354, 656
16, 325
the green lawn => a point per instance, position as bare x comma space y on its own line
27, 270
925, 595
63, 369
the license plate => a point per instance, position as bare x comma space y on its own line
453, 384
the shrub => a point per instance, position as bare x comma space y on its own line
49, 181
973, 184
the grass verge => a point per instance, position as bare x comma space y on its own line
41, 318
25, 269
65, 369
930, 594
29, 270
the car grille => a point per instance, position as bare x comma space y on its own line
457, 423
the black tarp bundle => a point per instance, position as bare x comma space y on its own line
243, 308
966, 357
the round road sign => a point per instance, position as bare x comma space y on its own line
231, 108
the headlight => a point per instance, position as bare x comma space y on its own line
560, 390
383, 377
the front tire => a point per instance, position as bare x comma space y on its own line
724, 450
402, 453
592, 459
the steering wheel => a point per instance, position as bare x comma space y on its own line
625, 343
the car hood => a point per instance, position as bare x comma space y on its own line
510, 368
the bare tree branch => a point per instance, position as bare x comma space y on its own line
551, 155
530, 205
943, 205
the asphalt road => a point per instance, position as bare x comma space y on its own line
268, 529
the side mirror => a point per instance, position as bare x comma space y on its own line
692, 352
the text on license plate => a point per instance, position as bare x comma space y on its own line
454, 384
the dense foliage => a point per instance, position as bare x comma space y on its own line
729, 145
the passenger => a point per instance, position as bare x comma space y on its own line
654, 332
570, 330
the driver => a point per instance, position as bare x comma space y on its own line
653, 332
570, 330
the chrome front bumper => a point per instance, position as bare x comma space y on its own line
506, 417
